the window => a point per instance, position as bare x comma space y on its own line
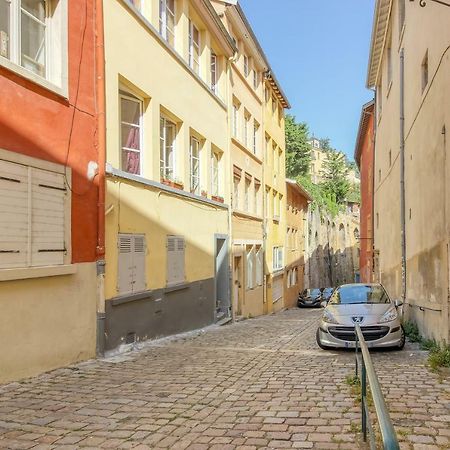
167, 148
401, 15
274, 104
30, 36
246, 67
255, 79
131, 261
175, 260
288, 281
268, 201
195, 166
255, 137
378, 220
390, 158
236, 181
379, 99
280, 157
248, 181
35, 229
257, 193
130, 132
246, 139
235, 120
267, 147
167, 20
425, 71
277, 258
215, 181
194, 47
274, 206
259, 265
250, 257
214, 73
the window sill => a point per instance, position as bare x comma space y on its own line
131, 297
247, 215
239, 144
277, 273
36, 272
176, 287
24, 73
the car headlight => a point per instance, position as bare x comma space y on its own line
389, 315
328, 317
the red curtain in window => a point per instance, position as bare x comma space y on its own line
133, 158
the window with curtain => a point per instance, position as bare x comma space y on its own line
131, 109
215, 160
167, 148
167, 20
214, 73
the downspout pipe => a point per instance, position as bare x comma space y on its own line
101, 155
402, 171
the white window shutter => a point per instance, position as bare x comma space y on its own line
48, 196
277, 288
139, 279
13, 215
175, 259
125, 266
259, 267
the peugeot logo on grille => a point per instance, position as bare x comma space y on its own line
357, 319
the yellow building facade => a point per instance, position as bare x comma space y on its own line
167, 219
297, 204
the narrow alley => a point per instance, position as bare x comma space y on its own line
259, 383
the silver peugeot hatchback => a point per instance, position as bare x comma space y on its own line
367, 305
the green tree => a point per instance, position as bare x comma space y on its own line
334, 173
298, 151
325, 145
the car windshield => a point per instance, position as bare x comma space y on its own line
354, 294
314, 292
328, 291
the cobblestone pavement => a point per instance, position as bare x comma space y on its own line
260, 383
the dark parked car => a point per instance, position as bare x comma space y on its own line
310, 298
326, 294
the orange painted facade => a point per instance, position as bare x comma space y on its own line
37, 122
364, 156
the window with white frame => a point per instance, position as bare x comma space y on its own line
167, 20
214, 73
389, 60
195, 165
215, 173
236, 181
35, 215
246, 139
175, 260
235, 119
248, 182
131, 264
131, 109
267, 141
250, 259
246, 66
31, 32
194, 47
257, 194
255, 137
259, 275
167, 138
277, 261
274, 104
289, 279
268, 202
255, 79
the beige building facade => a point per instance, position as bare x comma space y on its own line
411, 73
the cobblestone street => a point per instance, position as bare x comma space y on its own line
259, 383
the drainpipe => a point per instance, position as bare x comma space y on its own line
372, 209
402, 171
101, 149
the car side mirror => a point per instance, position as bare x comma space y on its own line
398, 303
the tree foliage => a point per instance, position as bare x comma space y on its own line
334, 174
298, 151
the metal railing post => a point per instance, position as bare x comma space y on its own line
363, 401
356, 354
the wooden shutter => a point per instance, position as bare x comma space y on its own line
125, 266
175, 259
48, 195
259, 266
139, 279
13, 215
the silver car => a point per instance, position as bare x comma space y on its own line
368, 305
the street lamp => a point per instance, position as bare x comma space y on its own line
423, 3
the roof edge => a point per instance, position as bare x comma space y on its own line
362, 124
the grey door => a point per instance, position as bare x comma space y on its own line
222, 278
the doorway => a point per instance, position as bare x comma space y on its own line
222, 278
237, 285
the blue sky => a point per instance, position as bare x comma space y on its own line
318, 50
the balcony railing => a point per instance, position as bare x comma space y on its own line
367, 372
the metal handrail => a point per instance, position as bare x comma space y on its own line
388, 435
